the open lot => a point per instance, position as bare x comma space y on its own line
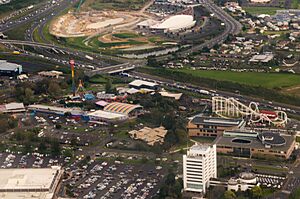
261, 10
114, 4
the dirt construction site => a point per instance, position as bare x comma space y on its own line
94, 22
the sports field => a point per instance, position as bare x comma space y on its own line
267, 80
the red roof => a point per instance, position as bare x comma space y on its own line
270, 113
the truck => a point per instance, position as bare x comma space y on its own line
89, 57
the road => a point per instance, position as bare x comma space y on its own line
232, 26
44, 9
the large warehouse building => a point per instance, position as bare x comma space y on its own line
10, 69
29, 183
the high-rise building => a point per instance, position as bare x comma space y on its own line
199, 166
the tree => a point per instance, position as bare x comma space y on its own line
229, 194
55, 148
42, 147
256, 192
108, 86
28, 96
54, 89
295, 194
151, 61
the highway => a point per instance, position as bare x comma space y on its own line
45, 9
195, 89
232, 26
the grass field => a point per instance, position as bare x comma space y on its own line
126, 35
295, 4
114, 4
267, 80
261, 10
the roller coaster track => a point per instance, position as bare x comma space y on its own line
231, 108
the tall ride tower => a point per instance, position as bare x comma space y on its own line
72, 63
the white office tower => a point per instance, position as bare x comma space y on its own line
199, 165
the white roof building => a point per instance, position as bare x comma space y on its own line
175, 23
106, 116
138, 84
12, 108
29, 183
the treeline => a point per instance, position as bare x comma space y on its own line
257, 91
30, 142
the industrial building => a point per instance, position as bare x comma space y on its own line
105, 116
10, 69
255, 144
212, 126
29, 183
199, 166
56, 110
141, 84
12, 108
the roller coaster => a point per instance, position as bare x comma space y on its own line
232, 108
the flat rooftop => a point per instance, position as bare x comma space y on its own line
107, 115
252, 142
27, 179
7, 66
216, 121
139, 83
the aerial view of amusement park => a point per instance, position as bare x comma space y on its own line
150, 99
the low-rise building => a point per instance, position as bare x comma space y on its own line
149, 135
10, 69
105, 116
131, 110
12, 108
245, 181
141, 84
212, 126
264, 58
30, 183
56, 110
256, 144
51, 74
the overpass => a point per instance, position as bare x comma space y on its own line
111, 69
62, 49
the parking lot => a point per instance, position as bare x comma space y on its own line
270, 181
103, 179
34, 160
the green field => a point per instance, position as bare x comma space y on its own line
267, 80
261, 10
126, 35
114, 4
295, 4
